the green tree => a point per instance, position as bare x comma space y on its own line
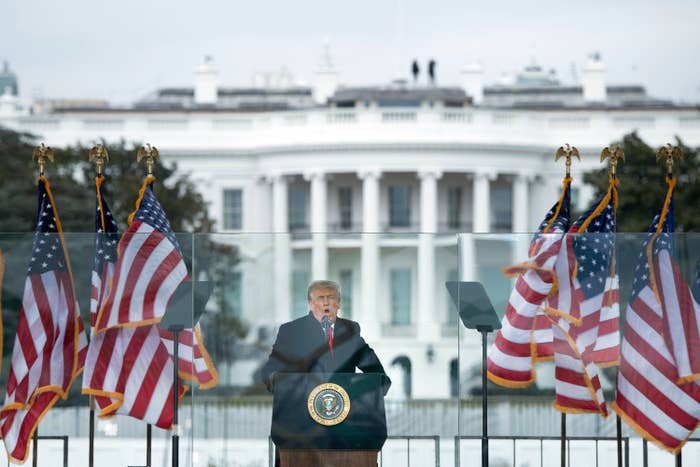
642, 187
72, 182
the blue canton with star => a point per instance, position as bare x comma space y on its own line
47, 251
107, 237
594, 249
663, 241
151, 212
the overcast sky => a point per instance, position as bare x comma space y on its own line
121, 50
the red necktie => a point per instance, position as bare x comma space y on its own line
330, 339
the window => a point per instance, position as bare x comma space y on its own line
345, 207
400, 296
300, 284
297, 209
233, 209
346, 293
452, 313
400, 206
502, 209
454, 207
454, 378
231, 305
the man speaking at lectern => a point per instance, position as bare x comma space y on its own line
320, 342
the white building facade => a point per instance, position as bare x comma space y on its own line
371, 186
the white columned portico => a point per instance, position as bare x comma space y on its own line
428, 326
282, 249
319, 226
482, 200
369, 315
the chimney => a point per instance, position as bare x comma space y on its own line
206, 83
473, 82
9, 103
326, 76
593, 80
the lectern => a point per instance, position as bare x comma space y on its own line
476, 312
333, 420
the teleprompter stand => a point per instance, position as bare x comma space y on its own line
182, 313
476, 312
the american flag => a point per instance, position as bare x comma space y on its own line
586, 280
128, 370
649, 396
681, 316
50, 344
149, 269
526, 334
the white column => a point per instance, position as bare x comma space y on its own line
282, 250
369, 316
482, 200
521, 202
319, 226
521, 215
428, 323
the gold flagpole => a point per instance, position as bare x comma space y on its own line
568, 152
149, 153
615, 154
99, 155
670, 152
40, 153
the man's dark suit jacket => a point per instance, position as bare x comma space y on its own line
301, 347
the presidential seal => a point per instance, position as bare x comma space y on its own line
328, 404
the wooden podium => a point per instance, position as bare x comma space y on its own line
328, 457
328, 420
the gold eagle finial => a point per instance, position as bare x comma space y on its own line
669, 152
569, 152
150, 153
615, 154
41, 153
100, 155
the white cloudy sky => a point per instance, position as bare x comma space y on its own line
122, 49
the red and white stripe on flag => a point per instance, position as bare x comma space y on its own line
130, 372
681, 318
522, 337
148, 271
607, 346
194, 363
50, 344
649, 397
49, 352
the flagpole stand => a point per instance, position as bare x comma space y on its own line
476, 312
484, 330
176, 329
187, 304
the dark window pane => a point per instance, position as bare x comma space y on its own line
400, 206
502, 209
454, 207
297, 209
345, 207
233, 209
400, 296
